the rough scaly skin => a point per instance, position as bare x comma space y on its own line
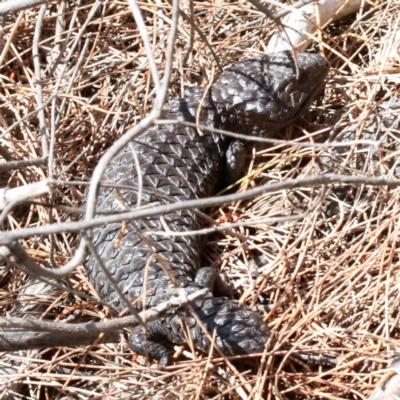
177, 163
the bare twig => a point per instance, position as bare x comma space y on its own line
145, 124
13, 6
6, 166
25, 334
137, 14
39, 91
9, 196
10, 237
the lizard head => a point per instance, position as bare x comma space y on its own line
259, 96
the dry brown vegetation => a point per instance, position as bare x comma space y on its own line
328, 284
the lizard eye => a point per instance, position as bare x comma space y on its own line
303, 78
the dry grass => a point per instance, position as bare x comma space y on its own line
329, 283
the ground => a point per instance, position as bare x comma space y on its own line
324, 273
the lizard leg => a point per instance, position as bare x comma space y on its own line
146, 342
235, 159
209, 278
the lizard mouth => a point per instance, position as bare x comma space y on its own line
309, 99
308, 84
318, 75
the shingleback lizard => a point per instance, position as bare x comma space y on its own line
177, 163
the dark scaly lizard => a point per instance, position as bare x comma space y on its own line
254, 97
